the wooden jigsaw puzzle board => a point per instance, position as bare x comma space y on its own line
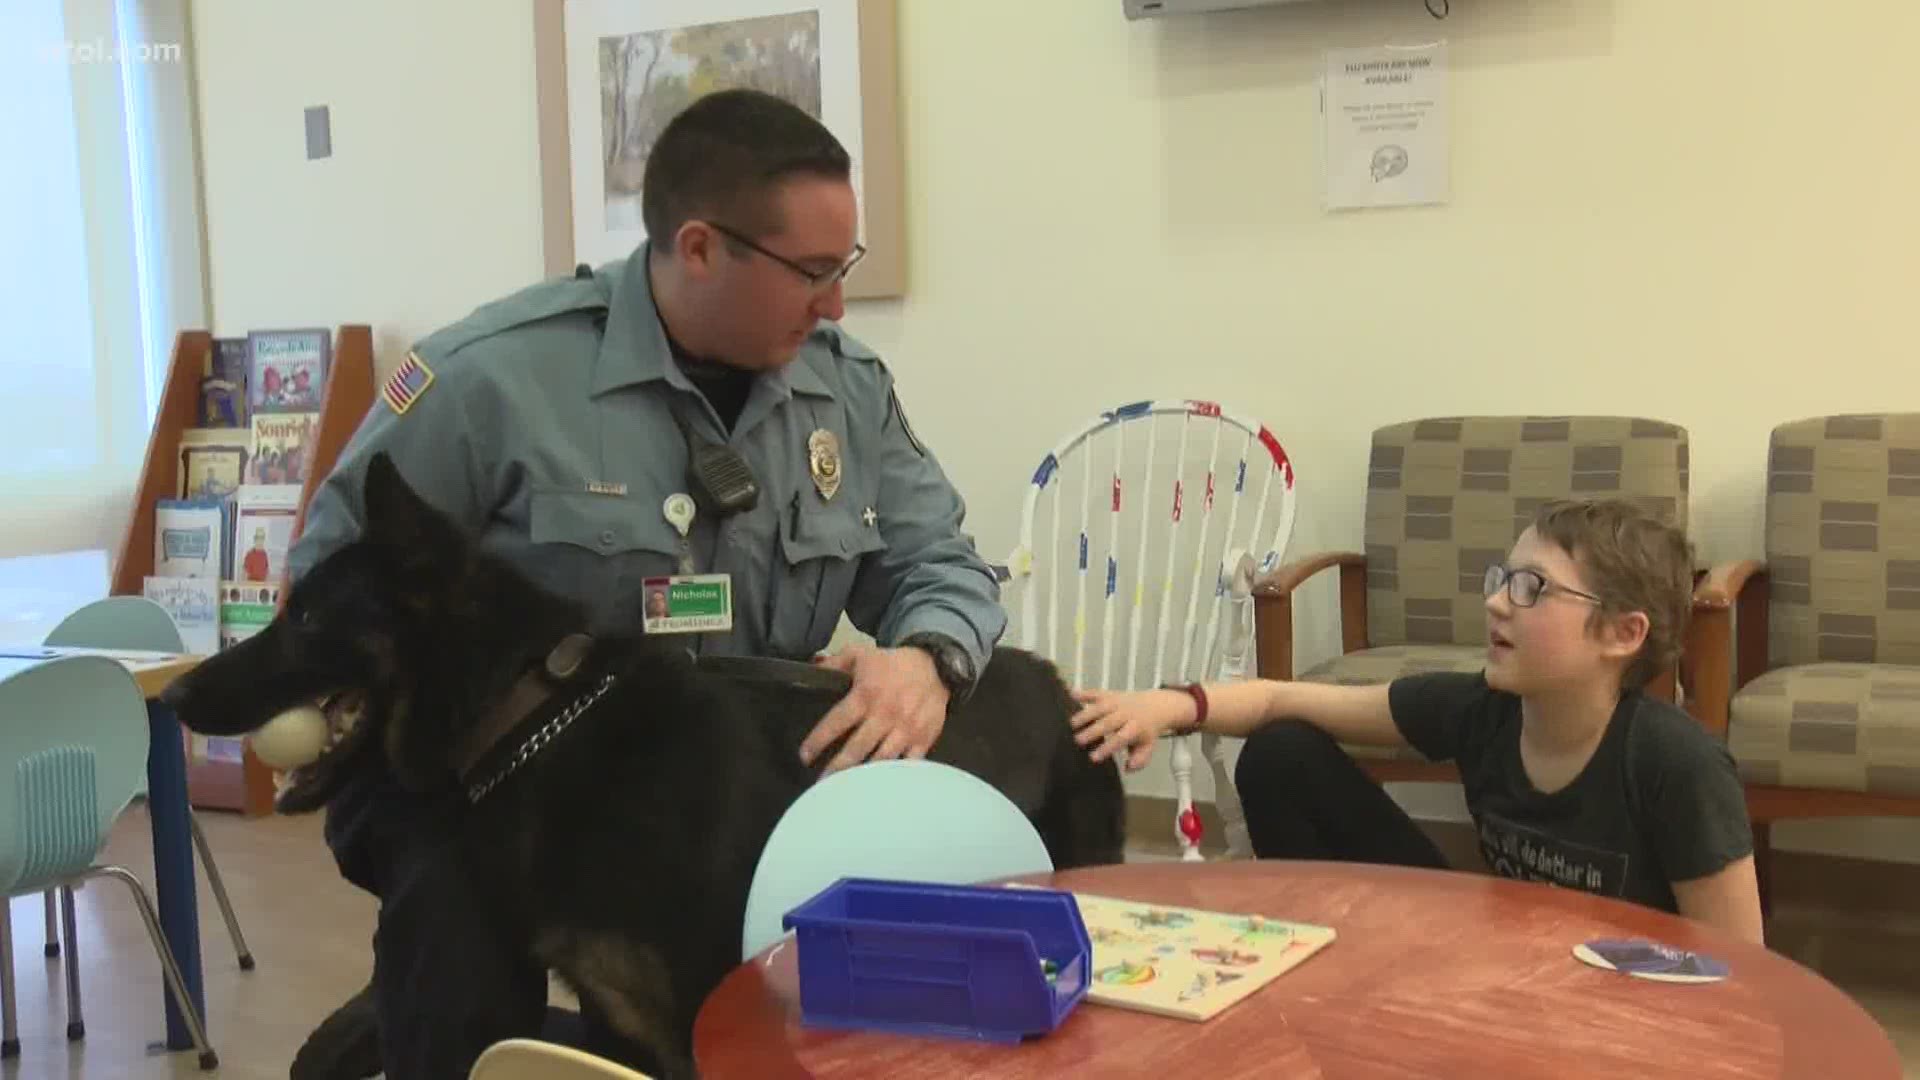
1186, 963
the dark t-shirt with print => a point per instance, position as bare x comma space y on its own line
1658, 802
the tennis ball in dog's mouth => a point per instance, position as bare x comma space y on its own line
295, 738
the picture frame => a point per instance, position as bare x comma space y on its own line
589, 188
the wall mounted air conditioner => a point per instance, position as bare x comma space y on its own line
1154, 9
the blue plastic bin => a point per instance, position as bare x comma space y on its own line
955, 961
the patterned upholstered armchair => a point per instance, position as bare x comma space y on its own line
1810, 660
1446, 498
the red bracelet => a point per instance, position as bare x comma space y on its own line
1199, 695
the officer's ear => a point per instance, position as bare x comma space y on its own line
419, 536
695, 245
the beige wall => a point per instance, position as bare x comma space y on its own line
430, 202
1692, 209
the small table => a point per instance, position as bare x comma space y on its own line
167, 808
1433, 974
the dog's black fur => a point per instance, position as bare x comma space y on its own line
628, 844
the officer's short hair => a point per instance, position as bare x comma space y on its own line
721, 156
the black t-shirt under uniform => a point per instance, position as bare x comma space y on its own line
725, 387
1659, 801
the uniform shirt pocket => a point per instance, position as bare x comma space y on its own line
597, 549
602, 524
821, 548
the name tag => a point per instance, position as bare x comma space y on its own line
688, 604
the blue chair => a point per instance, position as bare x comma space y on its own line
118, 622
906, 820
129, 622
73, 755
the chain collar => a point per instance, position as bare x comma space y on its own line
539, 739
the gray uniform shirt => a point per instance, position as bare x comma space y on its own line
548, 432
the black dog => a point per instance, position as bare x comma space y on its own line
573, 749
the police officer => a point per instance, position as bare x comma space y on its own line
559, 426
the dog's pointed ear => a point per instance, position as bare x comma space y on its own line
398, 517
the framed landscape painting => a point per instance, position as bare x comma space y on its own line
610, 74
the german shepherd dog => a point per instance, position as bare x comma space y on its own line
621, 790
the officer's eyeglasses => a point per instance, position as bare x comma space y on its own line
1526, 587
818, 280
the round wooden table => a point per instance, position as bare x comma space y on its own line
1433, 974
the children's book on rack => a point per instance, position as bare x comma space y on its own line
287, 369
262, 530
246, 607
280, 447
194, 605
223, 385
191, 537
213, 461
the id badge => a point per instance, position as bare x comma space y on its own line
688, 604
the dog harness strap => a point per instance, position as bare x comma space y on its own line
538, 741
566, 657
527, 694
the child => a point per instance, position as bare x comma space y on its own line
1572, 775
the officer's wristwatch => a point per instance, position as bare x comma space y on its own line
950, 662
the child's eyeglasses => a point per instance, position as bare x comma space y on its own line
1525, 587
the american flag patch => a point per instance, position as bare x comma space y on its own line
407, 383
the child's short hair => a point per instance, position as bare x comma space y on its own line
1634, 562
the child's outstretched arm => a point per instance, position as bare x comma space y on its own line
1112, 722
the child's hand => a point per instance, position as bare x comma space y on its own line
1129, 721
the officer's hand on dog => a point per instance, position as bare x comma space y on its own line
895, 710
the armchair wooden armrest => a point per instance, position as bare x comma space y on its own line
1726, 642
1273, 608
1724, 582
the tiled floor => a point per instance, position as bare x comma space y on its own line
310, 933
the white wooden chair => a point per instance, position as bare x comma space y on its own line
1125, 574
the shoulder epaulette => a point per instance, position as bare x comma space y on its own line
536, 303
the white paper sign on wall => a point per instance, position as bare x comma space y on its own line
1384, 114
